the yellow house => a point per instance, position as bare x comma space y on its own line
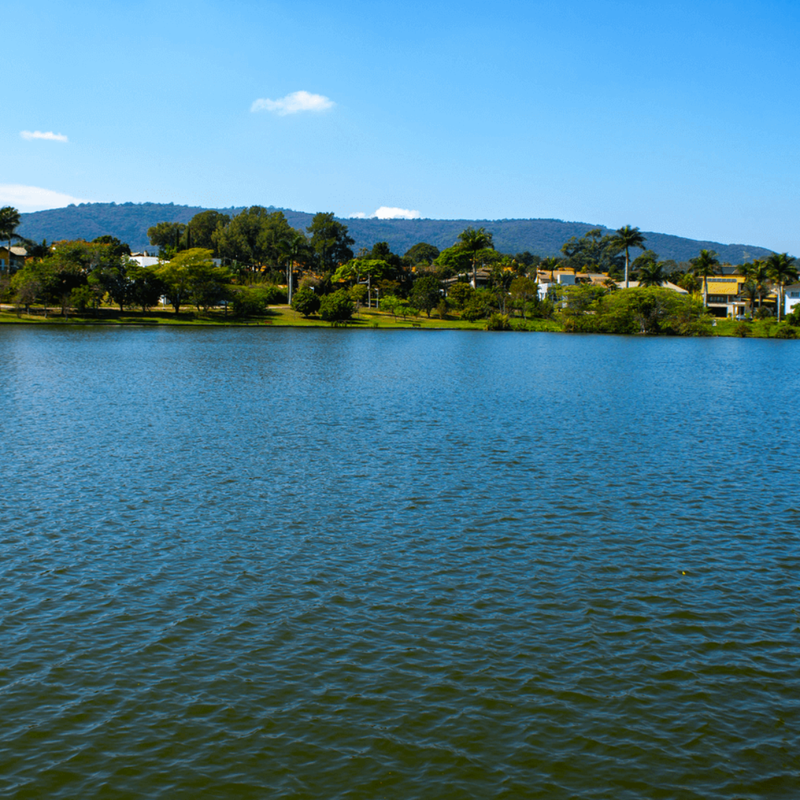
18, 255
723, 294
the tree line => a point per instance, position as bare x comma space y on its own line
254, 259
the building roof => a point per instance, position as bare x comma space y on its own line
728, 285
665, 285
20, 252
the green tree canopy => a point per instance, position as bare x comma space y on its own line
201, 228
426, 294
330, 241
473, 241
781, 270
9, 222
336, 306
421, 253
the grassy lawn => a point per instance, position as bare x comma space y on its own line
284, 316
277, 316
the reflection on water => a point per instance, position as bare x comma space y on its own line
296, 563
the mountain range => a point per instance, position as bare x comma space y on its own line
543, 237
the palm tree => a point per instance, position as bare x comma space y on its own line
651, 273
473, 241
9, 222
781, 269
750, 292
704, 265
758, 273
293, 247
550, 264
625, 238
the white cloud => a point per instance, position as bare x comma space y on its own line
294, 103
49, 136
389, 212
33, 198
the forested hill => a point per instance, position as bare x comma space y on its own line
130, 221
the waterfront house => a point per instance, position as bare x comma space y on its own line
724, 298
791, 297
16, 259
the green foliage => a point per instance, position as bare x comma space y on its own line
459, 294
358, 294
248, 301
793, 318
146, 288
422, 253
396, 306
167, 236
358, 268
593, 252
705, 265
116, 248
542, 237
202, 227
625, 239
498, 322
785, 331
192, 275
257, 238
336, 307
742, 329
523, 291
644, 310
479, 306
763, 313
81, 298
330, 241
425, 294
305, 301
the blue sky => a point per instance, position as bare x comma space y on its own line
678, 117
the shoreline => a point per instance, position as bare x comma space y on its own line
284, 317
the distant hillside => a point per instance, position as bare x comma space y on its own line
130, 221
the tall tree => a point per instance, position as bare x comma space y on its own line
650, 273
9, 222
167, 236
781, 269
703, 266
201, 228
473, 240
757, 273
625, 238
421, 253
330, 241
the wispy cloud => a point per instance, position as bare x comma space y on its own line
388, 212
48, 136
34, 198
294, 103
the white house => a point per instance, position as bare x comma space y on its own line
791, 298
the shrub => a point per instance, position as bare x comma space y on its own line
785, 331
248, 302
274, 295
763, 313
741, 329
498, 322
305, 301
336, 307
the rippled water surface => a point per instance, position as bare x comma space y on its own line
367, 564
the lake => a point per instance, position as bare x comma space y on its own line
303, 563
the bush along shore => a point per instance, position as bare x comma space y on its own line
254, 269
